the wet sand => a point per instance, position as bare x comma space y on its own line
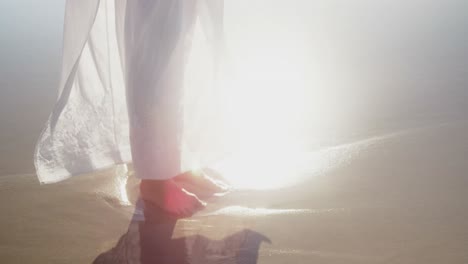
396, 199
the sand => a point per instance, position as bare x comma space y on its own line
397, 199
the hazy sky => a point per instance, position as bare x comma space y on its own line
30, 50
380, 41
381, 61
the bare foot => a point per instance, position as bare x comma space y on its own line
201, 184
170, 197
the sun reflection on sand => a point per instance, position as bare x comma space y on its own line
282, 168
262, 170
246, 211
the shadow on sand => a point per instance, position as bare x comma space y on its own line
151, 240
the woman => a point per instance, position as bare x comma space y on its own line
121, 90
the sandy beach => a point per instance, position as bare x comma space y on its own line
394, 199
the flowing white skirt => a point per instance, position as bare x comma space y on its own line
126, 68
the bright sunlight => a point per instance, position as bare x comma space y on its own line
264, 107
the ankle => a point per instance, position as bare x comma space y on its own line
151, 185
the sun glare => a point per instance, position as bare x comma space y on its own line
263, 109
265, 113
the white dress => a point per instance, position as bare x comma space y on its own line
126, 68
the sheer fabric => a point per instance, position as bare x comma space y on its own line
131, 62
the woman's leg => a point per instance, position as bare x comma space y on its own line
156, 43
